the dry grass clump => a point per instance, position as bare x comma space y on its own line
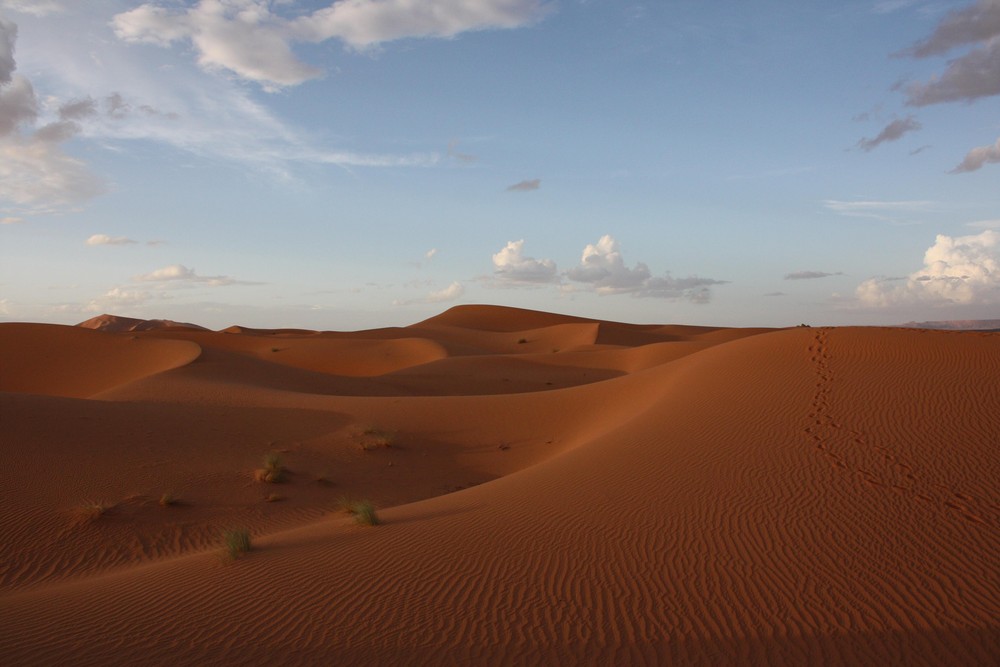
167, 499
274, 498
273, 471
371, 438
236, 542
92, 510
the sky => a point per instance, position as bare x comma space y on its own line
367, 163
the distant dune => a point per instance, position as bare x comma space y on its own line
550, 489
958, 325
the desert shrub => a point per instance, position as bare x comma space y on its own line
375, 438
92, 510
273, 470
236, 542
364, 513
168, 499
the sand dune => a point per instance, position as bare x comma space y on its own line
644, 495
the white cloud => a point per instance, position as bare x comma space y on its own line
104, 239
449, 293
979, 156
429, 255
10, 220
603, 267
180, 274
117, 298
511, 266
962, 270
452, 292
252, 40
363, 23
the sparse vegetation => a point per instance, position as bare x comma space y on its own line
92, 510
375, 438
522, 341
236, 542
274, 498
273, 470
364, 513
168, 499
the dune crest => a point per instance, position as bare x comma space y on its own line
551, 490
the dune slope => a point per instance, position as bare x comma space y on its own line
804, 496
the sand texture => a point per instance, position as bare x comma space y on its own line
552, 490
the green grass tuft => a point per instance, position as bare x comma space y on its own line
236, 542
364, 513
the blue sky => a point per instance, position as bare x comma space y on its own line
364, 163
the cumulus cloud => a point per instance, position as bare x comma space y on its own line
250, 39
603, 267
957, 270
180, 274
511, 266
893, 131
104, 239
525, 186
979, 156
810, 275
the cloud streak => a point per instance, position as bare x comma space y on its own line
810, 275
525, 186
104, 239
892, 132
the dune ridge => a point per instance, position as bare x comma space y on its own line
676, 494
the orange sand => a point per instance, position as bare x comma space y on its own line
553, 490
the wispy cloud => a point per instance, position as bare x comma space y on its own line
978, 157
810, 275
180, 274
972, 75
36, 176
104, 239
895, 212
452, 292
253, 40
891, 132
525, 186
984, 224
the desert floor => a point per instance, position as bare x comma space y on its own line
551, 490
